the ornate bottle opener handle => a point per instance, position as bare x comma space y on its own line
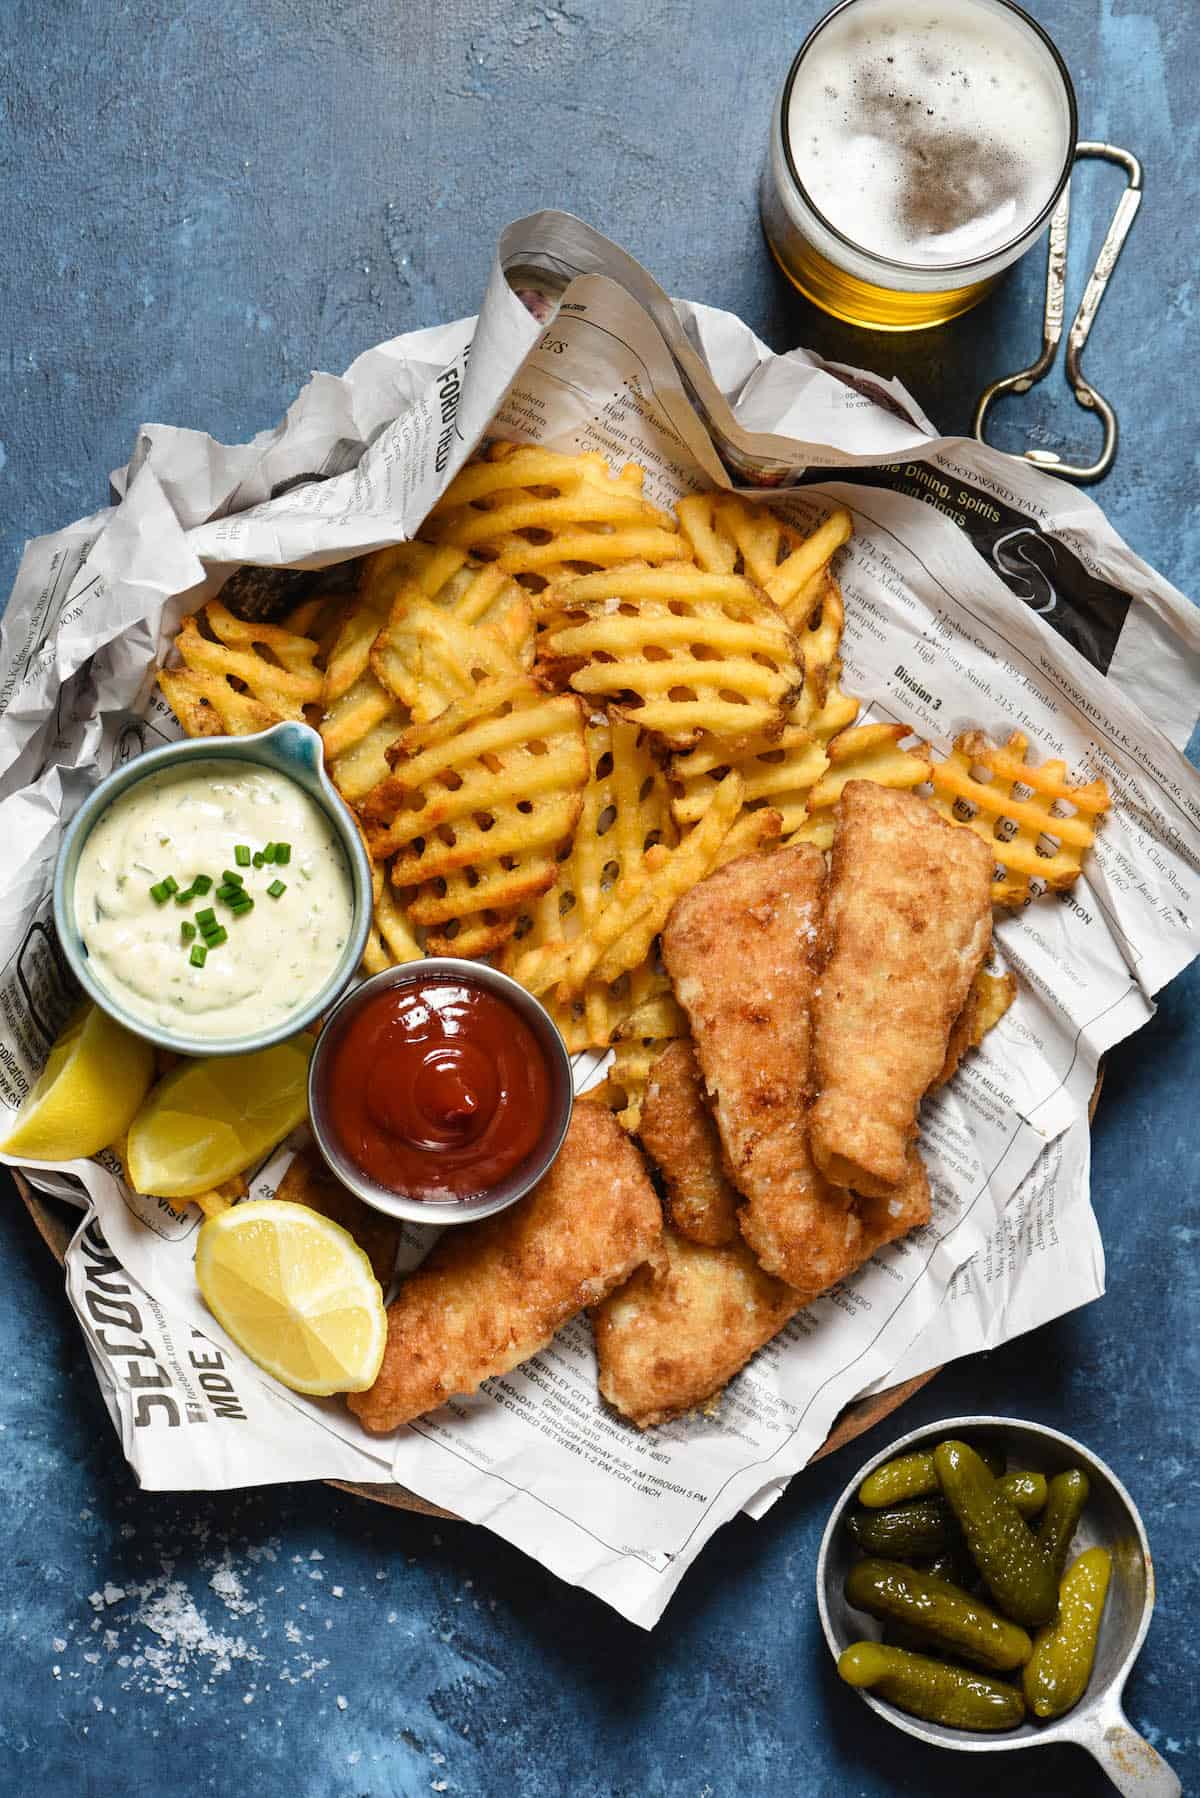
1052, 326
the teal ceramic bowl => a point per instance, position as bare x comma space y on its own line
289, 749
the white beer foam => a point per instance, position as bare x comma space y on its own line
928, 132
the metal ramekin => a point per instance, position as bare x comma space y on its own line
1110, 1520
525, 1175
290, 749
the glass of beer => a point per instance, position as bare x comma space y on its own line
918, 149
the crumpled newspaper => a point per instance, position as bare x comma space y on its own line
979, 592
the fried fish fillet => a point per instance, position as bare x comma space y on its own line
679, 1330
908, 920
491, 1294
740, 948
906, 1207
678, 1133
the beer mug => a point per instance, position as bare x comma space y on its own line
918, 149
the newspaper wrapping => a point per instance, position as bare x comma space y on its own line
979, 592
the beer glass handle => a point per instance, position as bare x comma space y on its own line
1085, 317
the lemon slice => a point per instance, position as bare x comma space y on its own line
210, 1119
94, 1081
296, 1293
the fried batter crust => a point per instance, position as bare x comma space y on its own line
680, 1329
741, 949
678, 1133
908, 920
491, 1294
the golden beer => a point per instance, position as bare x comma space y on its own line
917, 150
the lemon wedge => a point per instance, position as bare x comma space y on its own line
95, 1079
210, 1119
296, 1293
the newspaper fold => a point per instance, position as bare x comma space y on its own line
978, 592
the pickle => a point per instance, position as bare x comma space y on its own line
1028, 1491
1064, 1506
912, 1476
956, 1621
1015, 1569
928, 1526
931, 1689
1058, 1670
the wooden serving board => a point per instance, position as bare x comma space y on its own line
56, 1224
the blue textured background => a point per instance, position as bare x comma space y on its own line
204, 201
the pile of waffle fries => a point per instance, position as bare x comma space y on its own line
563, 706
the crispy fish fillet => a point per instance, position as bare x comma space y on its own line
906, 1207
680, 1329
491, 1294
678, 1133
908, 920
308, 1182
740, 948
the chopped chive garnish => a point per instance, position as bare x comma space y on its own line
160, 892
276, 888
247, 904
259, 858
208, 931
186, 896
241, 855
232, 878
202, 883
187, 931
169, 884
199, 955
207, 916
283, 854
214, 938
228, 894
268, 852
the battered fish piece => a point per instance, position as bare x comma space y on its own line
491, 1294
309, 1182
906, 1208
908, 920
740, 948
676, 1333
678, 1133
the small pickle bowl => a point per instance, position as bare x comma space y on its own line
291, 749
1110, 1520
521, 1178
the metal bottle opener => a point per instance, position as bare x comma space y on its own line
1085, 317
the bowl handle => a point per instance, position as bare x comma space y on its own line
1133, 1766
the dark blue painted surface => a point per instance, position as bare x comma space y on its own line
204, 201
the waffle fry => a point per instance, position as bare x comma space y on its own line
993, 791
474, 592
728, 535
637, 911
623, 1088
238, 678
779, 772
391, 939
540, 515
428, 659
678, 651
625, 815
476, 808
868, 752
361, 717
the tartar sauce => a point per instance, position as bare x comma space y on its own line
188, 821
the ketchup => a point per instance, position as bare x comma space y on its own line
437, 1089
